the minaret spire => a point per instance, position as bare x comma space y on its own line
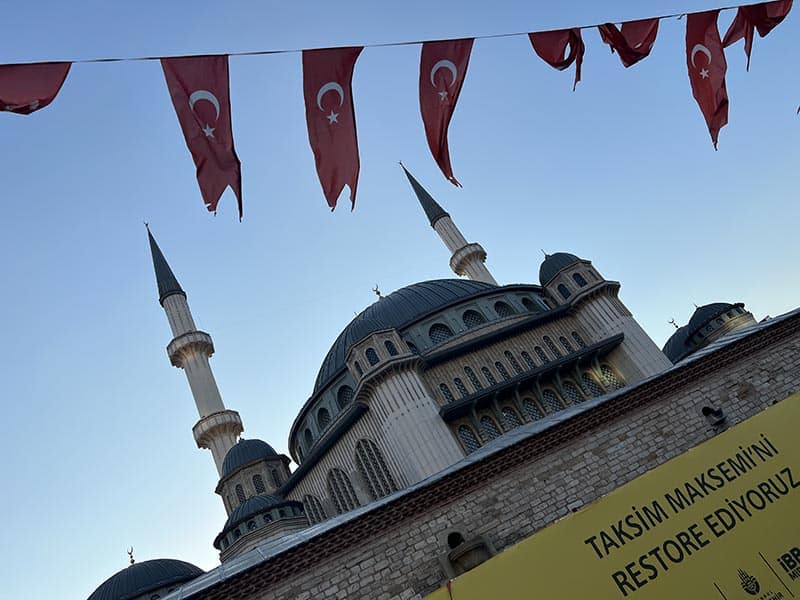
467, 258
218, 428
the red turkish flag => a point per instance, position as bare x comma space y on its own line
200, 93
331, 118
27, 88
633, 41
551, 46
764, 17
442, 69
705, 60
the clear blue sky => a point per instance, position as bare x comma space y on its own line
96, 437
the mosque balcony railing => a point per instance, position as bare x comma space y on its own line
463, 406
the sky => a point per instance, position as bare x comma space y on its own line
96, 441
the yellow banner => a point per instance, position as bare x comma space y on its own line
721, 521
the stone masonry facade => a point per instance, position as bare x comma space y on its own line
393, 551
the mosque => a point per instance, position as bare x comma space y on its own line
452, 419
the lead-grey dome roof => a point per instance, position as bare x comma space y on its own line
553, 263
244, 453
144, 577
398, 309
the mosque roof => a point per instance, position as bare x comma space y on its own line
244, 453
708, 312
677, 346
398, 309
143, 577
553, 263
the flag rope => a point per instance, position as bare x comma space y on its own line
374, 45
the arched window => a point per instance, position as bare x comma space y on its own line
237, 533
446, 393
510, 417
501, 368
412, 347
556, 352
590, 384
468, 439
258, 484
341, 491
488, 374
503, 310
510, 358
578, 278
344, 396
439, 333
540, 353
551, 401
323, 418
391, 348
528, 304
528, 360
578, 339
314, 510
372, 466
462, 389
572, 393
610, 378
565, 342
240, 493
476, 383
359, 370
562, 289
299, 454
489, 428
372, 356
276, 478
309, 437
251, 525
532, 409
473, 318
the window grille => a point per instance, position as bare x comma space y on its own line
258, 484
510, 417
468, 439
556, 352
372, 356
323, 418
501, 368
391, 348
578, 278
439, 333
473, 318
528, 360
578, 339
476, 383
565, 342
372, 466
610, 378
488, 374
314, 510
489, 428
510, 358
446, 393
503, 310
240, 493
590, 384
276, 478
344, 396
532, 409
540, 353
551, 401
572, 392
341, 491
462, 389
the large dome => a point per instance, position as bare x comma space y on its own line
244, 453
398, 309
553, 263
144, 577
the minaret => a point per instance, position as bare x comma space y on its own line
218, 429
468, 257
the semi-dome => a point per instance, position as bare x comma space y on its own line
143, 577
553, 263
398, 309
244, 453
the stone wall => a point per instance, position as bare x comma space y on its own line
393, 551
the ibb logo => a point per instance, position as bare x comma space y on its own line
790, 562
749, 583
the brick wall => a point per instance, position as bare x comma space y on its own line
392, 552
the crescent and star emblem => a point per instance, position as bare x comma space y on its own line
444, 64
702, 50
331, 86
198, 95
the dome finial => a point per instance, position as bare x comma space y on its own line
130, 554
546, 255
672, 322
377, 291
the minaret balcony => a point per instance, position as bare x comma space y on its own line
219, 425
466, 255
192, 342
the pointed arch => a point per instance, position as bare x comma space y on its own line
344, 396
341, 491
489, 428
313, 508
373, 469
468, 439
513, 361
258, 484
510, 417
501, 368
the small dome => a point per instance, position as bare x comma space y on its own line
676, 346
244, 453
144, 577
707, 313
250, 508
553, 263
